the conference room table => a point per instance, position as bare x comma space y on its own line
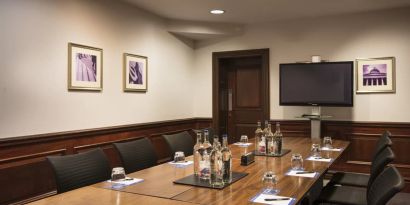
157, 186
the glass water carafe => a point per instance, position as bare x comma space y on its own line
204, 165
206, 144
197, 153
216, 166
226, 160
269, 141
260, 146
277, 140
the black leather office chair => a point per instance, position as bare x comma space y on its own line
362, 180
180, 142
384, 187
78, 170
382, 159
136, 155
383, 142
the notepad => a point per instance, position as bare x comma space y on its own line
276, 200
332, 149
186, 163
319, 159
241, 144
123, 183
300, 173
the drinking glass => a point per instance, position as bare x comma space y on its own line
269, 180
244, 139
117, 173
179, 171
179, 157
297, 161
315, 150
327, 142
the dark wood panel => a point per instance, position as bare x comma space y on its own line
361, 147
28, 176
25, 181
30, 158
248, 82
250, 116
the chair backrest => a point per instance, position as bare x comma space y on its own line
78, 170
383, 142
180, 142
385, 186
379, 163
136, 155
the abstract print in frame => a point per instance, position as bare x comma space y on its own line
375, 75
135, 73
84, 67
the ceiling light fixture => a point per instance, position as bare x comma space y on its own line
217, 11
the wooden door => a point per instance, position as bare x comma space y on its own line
243, 96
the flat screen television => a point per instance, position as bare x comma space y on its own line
317, 84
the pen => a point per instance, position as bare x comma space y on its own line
277, 199
305, 172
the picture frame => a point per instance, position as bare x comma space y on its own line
376, 75
135, 73
85, 67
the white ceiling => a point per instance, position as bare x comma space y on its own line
252, 11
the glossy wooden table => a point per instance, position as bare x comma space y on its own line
91, 195
158, 186
158, 180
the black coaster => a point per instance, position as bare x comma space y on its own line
195, 181
284, 152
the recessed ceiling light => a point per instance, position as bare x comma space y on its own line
217, 11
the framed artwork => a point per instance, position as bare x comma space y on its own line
84, 67
375, 75
135, 73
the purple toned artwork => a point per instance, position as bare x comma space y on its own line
86, 66
375, 75
135, 74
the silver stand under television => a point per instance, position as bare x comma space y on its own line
315, 117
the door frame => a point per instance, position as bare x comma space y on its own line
216, 58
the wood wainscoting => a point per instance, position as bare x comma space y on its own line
25, 175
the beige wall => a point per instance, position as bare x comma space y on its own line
33, 66
339, 38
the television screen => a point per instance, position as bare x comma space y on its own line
321, 84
